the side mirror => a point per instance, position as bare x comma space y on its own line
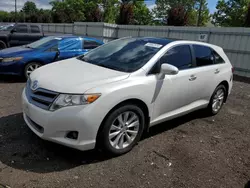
13, 30
169, 69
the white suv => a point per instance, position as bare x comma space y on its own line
108, 97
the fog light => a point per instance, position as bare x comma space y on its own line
72, 135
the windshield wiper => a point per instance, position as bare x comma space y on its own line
27, 46
108, 66
82, 58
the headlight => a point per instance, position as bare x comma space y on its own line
10, 59
64, 100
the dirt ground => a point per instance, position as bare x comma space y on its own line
191, 151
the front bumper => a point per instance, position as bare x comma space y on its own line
11, 68
54, 126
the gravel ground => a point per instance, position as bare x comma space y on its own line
191, 151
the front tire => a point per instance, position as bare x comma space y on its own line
122, 129
29, 68
217, 100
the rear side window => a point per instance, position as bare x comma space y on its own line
203, 55
217, 58
89, 44
21, 29
179, 56
34, 29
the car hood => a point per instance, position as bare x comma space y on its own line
15, 51
74, 76
4, 33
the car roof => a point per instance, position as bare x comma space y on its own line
73, 36
162, 41
198, 43
165, 41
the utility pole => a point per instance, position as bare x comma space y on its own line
199, 13
15, 12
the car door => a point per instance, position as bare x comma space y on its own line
175, 93
206, 71
50, 55
19, 35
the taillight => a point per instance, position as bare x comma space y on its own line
232, 69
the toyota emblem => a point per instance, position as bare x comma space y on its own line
34, 85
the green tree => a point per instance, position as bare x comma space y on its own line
29, 8
204, 15
193, 15
3, 16
230, 13
177, 16
247, 23
163, 6
68, 11
126, 13
111, 10
92, 12
44, 16
29, 12
134, 12
142, 15
188, 9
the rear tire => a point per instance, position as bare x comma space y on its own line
2, 45
217, 100
30, 67
122, 130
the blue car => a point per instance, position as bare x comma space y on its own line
25, 59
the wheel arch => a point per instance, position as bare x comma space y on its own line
138, 102
226, 85
32, 61
28, 62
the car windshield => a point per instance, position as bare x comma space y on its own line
44, 42
126, 55
6, 28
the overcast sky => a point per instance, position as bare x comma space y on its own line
9, 5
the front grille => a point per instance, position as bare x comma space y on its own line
40, 97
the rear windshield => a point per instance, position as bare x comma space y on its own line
44, 42
126, 55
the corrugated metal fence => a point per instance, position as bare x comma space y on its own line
234, 41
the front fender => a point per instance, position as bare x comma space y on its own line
117, 92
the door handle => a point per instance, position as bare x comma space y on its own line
192, 78
216, 71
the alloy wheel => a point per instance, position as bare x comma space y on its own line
218, 100
124, 130
31, 68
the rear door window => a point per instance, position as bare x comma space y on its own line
203, 55
217, 58
34, 29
